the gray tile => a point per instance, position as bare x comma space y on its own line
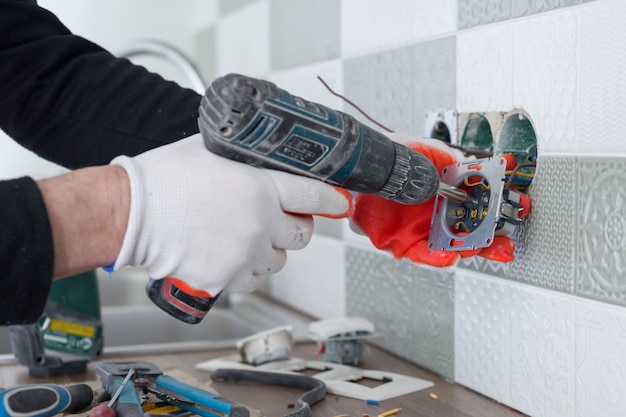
408, 304
227, 6
545, 242
303, 32
481, 12
602, 229
398, 87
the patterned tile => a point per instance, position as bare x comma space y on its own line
484, 70
398, 87
602, 83
406, 303
516, 344
546, 240
303, 32
602, 231
542, 352
368, 27
482, 346
600, 360
480, 12
544, 80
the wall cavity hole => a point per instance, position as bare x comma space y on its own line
518, 138
441, 131
477, 134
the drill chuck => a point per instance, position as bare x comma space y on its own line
255, 122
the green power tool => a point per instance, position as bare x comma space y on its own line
69, 332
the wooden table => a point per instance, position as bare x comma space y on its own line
453, 400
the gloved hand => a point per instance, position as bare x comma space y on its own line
214, 223
403, 229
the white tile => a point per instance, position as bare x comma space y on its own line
484, 69
544, 78
515, 343
303, 82
243, 41
602, 79
600, 360
482, 345
542, 352
370, 25
313, 280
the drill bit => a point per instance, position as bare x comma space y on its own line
455, 194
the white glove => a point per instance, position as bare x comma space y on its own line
215, 223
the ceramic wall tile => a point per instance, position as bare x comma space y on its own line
227, 6
368, 26
484, 69
516, 344
303, 32
602, 83
479, 12
313, 279
398, 87
600, 360
241, 51
601, 234
406, 303
545, 253
544, 53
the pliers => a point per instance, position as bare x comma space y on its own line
148, 377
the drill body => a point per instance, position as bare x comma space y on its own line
255, 122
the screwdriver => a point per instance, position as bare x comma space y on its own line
44, 400
106, 410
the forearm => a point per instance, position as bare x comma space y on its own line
88, 212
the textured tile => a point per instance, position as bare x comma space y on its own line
369, 26
602, 231
303, 32
313, 280
516, 344
602, 83
544, 78
244, 52
600, 360
542, 352
411, 306
484, 70
546, 240
480, 12
482, 346
399, 86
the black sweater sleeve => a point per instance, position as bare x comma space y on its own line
74, 103
25, 252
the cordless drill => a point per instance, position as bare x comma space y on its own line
255, 122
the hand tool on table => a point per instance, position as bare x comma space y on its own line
106, 410
316, 389
44, 400
148, 377
255, 122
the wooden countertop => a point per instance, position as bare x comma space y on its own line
453, 400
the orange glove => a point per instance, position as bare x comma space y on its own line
403, 229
